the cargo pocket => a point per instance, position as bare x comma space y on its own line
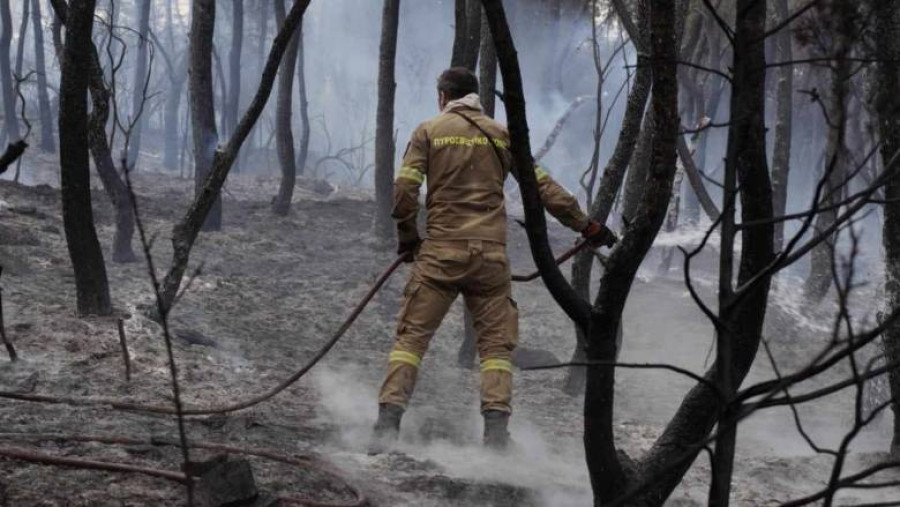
512, 323
412, 287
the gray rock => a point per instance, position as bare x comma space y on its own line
524, 357
228, 484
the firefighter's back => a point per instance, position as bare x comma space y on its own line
465, 176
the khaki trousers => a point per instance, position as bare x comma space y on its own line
442, 270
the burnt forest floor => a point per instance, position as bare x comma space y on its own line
270, 293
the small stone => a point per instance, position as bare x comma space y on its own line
228, 484
192, 337
524, 357
25, 210
200, 468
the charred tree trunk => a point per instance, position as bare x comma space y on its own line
23, 35
263, 24
473, 35
188, 228
613, 174
640, 164
223, 85
467, 34
460, 12
47, 142
784, 124
304, 103
113, 184
820, 274
106, 168
56, 34
91, 286
384, 121
284, 133
234, 67
672, 454
487, 71
138, 97
170, 116
609, 477
887, 40
9, 97
203, 117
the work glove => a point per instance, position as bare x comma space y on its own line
599, 235
408, 248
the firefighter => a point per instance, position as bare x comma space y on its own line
463, 156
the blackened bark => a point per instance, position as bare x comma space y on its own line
781, 159
304, 103
234, 66
47, 142
384, 121
188, 228
56, 33
747, 171
13, 152
9, 97
487, 70
673, 453
607, 475
203, 117
457, 58
91, 286
473, 35
640, 165
140, 77
113, 184
887, 46
284, 133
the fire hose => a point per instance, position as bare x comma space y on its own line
180, 477
30, 456
256, 400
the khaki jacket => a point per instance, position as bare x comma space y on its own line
465, 179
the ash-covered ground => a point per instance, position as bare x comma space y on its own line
271, 292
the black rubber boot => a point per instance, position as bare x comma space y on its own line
387, 428
496, 436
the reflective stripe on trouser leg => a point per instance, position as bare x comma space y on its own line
424, 306
400, 381
496, 384
497, 327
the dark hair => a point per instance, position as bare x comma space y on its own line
457, 82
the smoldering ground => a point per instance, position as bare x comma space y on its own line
271, 292
272, 289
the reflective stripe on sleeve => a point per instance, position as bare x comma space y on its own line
496, 364
541, 174
400, 356
411, 173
